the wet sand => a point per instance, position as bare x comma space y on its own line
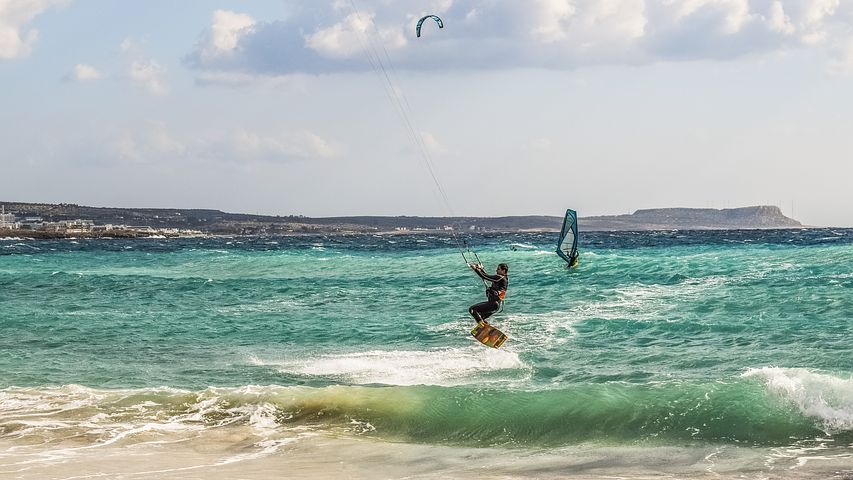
233, 453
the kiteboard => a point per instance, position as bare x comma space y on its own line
488, 335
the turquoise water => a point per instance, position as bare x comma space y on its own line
656, 339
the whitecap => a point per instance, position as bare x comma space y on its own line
445, 366
822, 396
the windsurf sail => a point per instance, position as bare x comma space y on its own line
567, 245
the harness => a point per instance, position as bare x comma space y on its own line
501, 294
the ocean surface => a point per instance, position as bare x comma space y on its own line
685, 354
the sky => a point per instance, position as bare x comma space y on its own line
328, 108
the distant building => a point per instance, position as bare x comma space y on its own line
76, 226
31, 223
8, 220
83, 226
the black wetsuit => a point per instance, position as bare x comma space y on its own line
494, 293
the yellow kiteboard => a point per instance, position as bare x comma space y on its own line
488, 335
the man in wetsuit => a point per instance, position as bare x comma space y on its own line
494, 293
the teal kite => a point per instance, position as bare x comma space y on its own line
421, 22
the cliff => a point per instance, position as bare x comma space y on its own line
757, 217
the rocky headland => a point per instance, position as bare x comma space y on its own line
758, 217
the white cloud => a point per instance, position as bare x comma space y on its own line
155, 143
143, 72
293, 83
342, 39
814, 23
550, 26
624, 18
226, 30
125, 148
284, 146
779, 21
348, 38
148, 76
735, 14
432, 144
128, 45
326, 37
843, 63
816, 11
15, 40
218, 45
82, 72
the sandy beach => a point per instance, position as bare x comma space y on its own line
231, 454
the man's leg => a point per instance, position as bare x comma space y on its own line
482, 311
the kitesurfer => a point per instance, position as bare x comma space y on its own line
494, 293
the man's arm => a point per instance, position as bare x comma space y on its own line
486, 276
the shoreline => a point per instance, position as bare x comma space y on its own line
19, 234
232, 452
208, 220
44, 235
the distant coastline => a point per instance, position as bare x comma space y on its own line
39, 220
743, 218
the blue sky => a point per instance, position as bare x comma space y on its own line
531, 107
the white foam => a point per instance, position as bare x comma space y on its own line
262, 419
540, 330
646, 302
274, 305
266, 448
817, 395
436, 288
358, 426
451, 326
446, 366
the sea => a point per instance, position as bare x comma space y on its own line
667, 354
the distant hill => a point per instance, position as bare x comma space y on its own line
215, 221
693, 219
